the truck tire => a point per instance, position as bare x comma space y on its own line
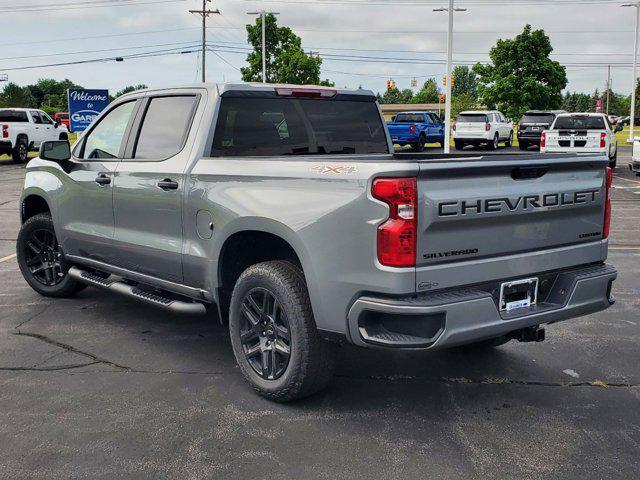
274, 336
523, 145
63, 136
41, 260
20, 153
458, 145
495, 143
419, 147
613, 161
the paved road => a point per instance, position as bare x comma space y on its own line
100, 387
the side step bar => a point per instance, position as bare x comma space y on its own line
176, 306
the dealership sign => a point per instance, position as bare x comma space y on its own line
85, 106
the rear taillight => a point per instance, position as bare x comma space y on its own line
607, 204
603, 140
487, 127
543, 140
412, 129
397, 235
5, 131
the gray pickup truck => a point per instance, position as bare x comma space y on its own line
283, 211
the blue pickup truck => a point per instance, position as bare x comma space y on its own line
416, 129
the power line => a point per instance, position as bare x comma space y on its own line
81, 7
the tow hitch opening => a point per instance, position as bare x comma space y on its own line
529, 334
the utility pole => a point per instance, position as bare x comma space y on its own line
263, 21
447, 104
204, 13
632, 118
608, 86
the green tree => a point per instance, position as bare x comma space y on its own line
521, 76
396, 96
130, 88
286, 62
466, 82
14, 95
461, 103
429, 93
50, 94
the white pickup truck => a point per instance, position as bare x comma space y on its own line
582, 133
24, 129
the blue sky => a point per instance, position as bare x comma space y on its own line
362, 42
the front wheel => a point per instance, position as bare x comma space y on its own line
41, 260
274, 336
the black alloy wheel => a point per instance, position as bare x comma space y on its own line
43, 258
265, 334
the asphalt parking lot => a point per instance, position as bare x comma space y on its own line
101, 387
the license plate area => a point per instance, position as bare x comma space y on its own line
518, 294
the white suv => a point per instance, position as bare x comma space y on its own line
482, 128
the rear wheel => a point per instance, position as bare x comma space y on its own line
523, 146
495, 143
20, 152
274, 336
613, 161
64, 136
459, 145
41, 260
509, 142
419, 147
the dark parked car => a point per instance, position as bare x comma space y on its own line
532, 124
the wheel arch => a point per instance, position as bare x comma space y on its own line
33, 204
253, 241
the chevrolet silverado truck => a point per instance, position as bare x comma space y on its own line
283, 211
582, 133
24, 129
416, 129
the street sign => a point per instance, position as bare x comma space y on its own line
85, 106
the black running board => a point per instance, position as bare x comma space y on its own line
176, 306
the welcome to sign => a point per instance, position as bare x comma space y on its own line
85, 106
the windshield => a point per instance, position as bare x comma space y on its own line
275, 126
544, 118
15, 116
579, 122
472, 118
409, 118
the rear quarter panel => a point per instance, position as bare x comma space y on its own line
321, 206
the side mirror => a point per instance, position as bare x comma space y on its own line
55, 151
56, 123
618, 128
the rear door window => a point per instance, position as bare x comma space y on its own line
36, 117
297, 126
13, 116
164, 127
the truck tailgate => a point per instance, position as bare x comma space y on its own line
399, 129
485, 212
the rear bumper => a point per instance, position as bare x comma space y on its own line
598, 150
6, 145
403, 139
474, 137
533, 139
466, 315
